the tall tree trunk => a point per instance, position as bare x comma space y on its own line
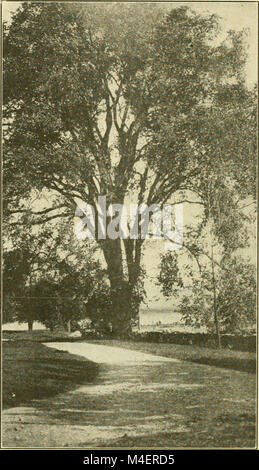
215, 300
69, 326
121, 286
133, 257
30, 325
119, 314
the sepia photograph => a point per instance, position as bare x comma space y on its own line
129, 199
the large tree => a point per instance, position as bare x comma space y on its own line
121, 101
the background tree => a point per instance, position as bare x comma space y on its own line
235, 299
125, 102
16, 269
219, 283
237, 296
48, 277
27, 256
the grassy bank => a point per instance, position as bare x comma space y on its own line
232, 342
237, 360
32, 370
41, 336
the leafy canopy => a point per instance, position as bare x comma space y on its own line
112, 99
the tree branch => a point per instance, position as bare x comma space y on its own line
43, 221
44, 211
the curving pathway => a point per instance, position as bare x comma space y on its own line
140, 401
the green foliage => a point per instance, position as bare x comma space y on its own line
237, 296
169, 275
193, 290
67, 66
236, 299
99, 310
215, 286
44, 281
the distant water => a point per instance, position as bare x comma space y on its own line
165, 320
150, 320
156, 317
15, 326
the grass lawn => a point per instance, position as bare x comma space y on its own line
171, 404
42, 336
237, 360
34, 371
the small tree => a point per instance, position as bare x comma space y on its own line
237, 296
232, 295
216, 281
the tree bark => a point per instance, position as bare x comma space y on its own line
121, 285
215, 300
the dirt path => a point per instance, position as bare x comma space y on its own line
140, 400
108, 354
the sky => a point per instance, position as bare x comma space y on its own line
234, 15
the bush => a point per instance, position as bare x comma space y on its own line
235, 342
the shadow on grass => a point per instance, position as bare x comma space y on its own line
34, 371
243, 365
